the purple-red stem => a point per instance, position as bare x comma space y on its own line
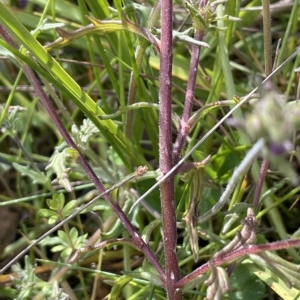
165, 153
91, 174
189, 96
238, 254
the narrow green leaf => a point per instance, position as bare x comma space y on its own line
118, 286
62, 80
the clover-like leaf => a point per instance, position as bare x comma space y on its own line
66, 242
57, 201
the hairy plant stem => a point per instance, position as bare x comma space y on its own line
165, 154
188, 104
286, 244
190, 151
91, 174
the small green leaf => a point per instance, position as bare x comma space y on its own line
66, 253
53, 219
47, 213
68, 209
50, 241
63, 236
57, 202
57, 248
80, 241
73, 233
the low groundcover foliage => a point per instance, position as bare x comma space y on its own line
149, 151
